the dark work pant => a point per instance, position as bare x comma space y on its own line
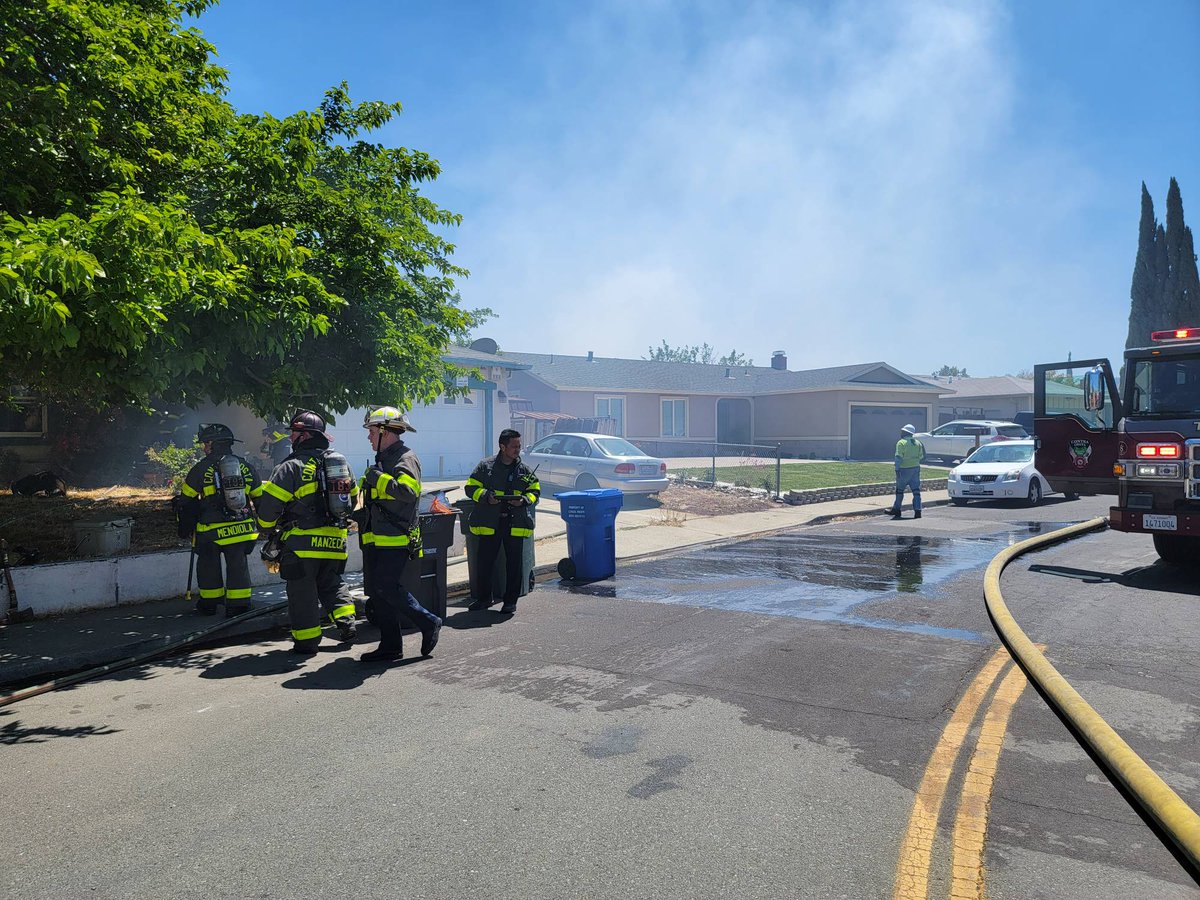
514, 565
234, 588
395, 607
317, 584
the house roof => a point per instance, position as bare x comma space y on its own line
994, 386
579, 373
465, 356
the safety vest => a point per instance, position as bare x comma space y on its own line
909, 453
506, 483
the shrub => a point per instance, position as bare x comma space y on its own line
175, 461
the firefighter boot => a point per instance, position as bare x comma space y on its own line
383, 653
346, 631
917, 514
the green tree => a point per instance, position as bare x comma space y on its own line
951, 371
704, 354
154, 244
1165, 289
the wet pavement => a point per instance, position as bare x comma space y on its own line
830, 576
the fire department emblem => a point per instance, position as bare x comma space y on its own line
1081, 452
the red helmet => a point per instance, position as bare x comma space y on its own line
309, 422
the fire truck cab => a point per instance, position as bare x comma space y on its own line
1141, 443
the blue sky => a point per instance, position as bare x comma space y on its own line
923, 183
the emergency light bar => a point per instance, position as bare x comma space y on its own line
1176, 334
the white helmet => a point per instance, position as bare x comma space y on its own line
387, 417
909, 429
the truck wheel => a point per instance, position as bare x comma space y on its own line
1035, 493
1178, 549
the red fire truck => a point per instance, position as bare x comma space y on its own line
1142, 444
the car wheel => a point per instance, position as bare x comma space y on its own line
586, 482
958, 501
1035, 493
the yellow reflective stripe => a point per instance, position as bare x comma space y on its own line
212, 593
208, 491
188, 491
330, 530
320, 554
482, 529
521, 532
530, 498
263, 523
212, 526
380, 488
305, 489
270, 487
237, 539
342, 612
385, 540
237, 593
255, 492
306, 634
409, 482
475, 489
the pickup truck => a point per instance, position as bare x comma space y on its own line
954, 441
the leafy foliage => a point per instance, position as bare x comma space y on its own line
951, 371
704, 354
176, 462
163, 246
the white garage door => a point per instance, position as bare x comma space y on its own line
449, 439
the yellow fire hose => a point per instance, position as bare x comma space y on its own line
1153, 798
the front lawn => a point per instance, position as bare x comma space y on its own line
805, 476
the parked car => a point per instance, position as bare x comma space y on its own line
1025, 420
999, 470
584, 461
954, 441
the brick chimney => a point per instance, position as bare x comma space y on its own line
779, 360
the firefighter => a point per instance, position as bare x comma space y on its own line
215, 512
301, 499
504, 491
390, 533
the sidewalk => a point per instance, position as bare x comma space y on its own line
45, 648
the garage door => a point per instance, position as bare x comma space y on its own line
449, 438
874, 430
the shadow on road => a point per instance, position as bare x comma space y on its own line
1157, 577
13, 732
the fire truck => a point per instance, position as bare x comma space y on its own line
1141, 444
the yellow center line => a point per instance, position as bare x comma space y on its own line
970, 824
912, 872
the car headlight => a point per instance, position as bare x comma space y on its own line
952, 475
1012, 475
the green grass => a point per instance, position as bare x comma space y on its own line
805, 476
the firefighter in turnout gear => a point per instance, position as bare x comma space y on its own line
504, 491
305, 503
390, 534
214, 511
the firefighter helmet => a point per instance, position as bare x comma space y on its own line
308, 421
387, 417
214, 432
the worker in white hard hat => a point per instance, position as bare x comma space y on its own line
910, 453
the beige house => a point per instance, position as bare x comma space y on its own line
681, 409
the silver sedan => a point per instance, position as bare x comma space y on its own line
584, 461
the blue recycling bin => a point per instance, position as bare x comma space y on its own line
591, 518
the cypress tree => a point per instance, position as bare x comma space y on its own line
1144, 290
1181, 291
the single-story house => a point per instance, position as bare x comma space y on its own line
454, 432
681, 409
999, 397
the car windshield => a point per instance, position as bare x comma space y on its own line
1002, 453
615, 446
1167, 387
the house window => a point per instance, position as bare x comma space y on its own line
25, 418
613, 408
674, 418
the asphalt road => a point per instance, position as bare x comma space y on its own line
746, 721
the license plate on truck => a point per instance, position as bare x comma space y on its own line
1159, 523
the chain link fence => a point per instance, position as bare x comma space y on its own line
742, 465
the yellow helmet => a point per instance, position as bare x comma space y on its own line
388, 417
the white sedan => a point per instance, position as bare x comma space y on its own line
999, 471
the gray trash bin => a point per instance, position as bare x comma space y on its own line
501, 570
